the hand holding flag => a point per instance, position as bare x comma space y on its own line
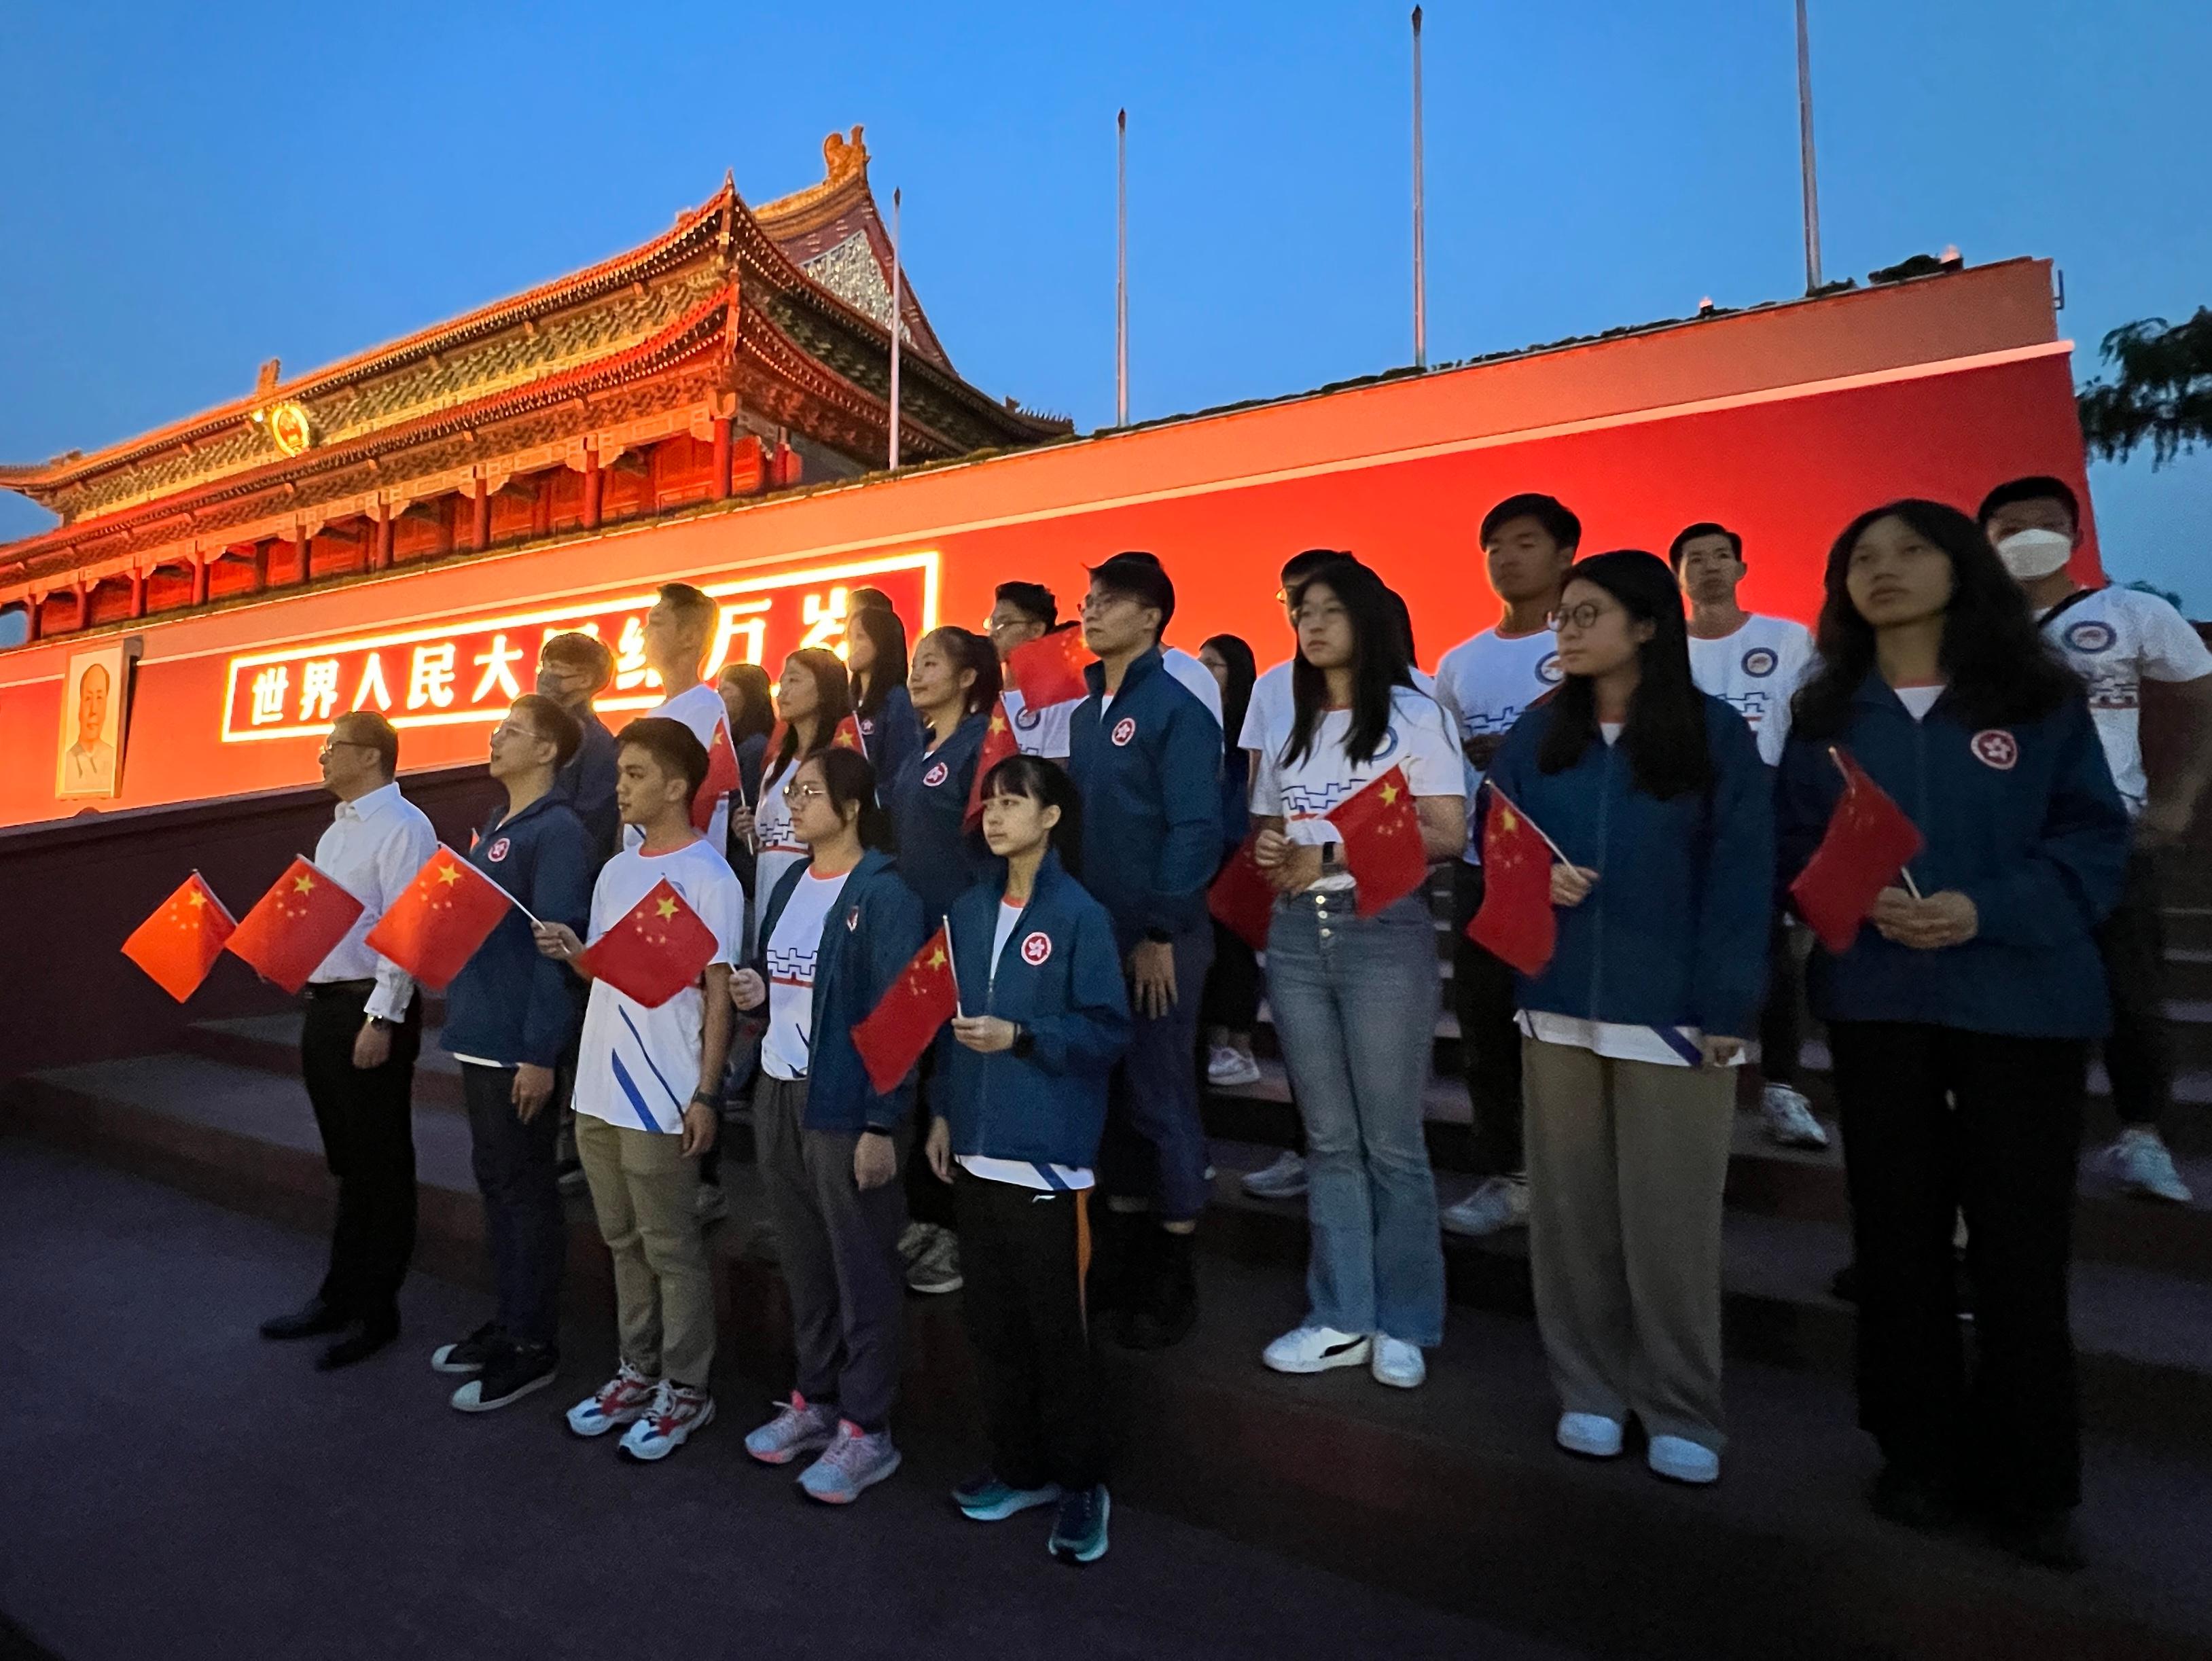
655, 949
1049, 669
998, 745
440, 919
896, 1032
1515, 923
295, 926
179, 943
1868, 841
1382, 833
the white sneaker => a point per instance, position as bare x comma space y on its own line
1680, 1460
710, 1204
1398, 1363
1315, 1349
623, 1400
1592, 1435
2141, 1164
1286, 1179
1500, 1203
1789, 1120
1228, 1066
677, 1410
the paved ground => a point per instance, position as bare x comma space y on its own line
174, 1487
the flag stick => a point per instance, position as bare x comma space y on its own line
503, 889
1531, 824
955, 965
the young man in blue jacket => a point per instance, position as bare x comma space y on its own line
510, 1014
1146, 758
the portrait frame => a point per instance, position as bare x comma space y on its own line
92, 770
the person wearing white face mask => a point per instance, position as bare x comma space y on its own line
2116, 639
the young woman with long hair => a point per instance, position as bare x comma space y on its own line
1960, 1016
1355, 998
1018, 1104
1655, 794
875, 657
837, 931
812, 697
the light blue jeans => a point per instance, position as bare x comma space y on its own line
1355, 1010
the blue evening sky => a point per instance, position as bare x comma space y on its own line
193, 189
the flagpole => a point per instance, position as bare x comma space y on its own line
1812, 189
1122, 268
1903, 871
1530, 822
1420, 231
954, 963
896, 300
461, 859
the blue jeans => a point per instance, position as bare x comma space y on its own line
1355, 1008
522, 1220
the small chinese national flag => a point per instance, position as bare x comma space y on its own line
293, 926
179, 943
722, 778
998, 745
1515, 923
1242, 899
440, 919
1381, 841
656, 949
1868, 840
922, 999
1049, 669
848, 737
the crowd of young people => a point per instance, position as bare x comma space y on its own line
1682, 756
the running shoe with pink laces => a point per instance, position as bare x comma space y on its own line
623, 1400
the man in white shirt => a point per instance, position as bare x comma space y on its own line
362, 1026
678, 630
1022, 613
2116, 639
1755, 665
640, 1135
1485, 684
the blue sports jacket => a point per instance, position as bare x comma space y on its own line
890, 735
1149, 771
1060, 978
1674, 933
927, 799
588, 782
508, 1004
871, 934
2023, 821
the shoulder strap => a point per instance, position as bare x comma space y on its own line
2065, 605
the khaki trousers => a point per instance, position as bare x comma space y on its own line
643, 1189
1626, 1161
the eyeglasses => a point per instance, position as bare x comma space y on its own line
794, 793
509, 730
1583, 616
330, 745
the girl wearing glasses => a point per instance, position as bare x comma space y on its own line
838, 929
1656, 795
1960, 1016
813, 697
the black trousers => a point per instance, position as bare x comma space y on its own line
1020, 1251
2139, 1051
524, 1224
928, 1199
2002, 1149
366, 1117
1782, 1024
1489, 1043
1232, 985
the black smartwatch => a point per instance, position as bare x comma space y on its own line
1330, 853
875, 1130
1025, 1041
700, 1099
1158, 936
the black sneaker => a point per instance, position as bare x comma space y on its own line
1168, 1305
473, 1353
516, 1371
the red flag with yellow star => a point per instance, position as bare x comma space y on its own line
998, 745
293, 926
440, 919
1515, 924
848, 737
920, 1001
1867, 843
1242, 899
1381, 841
654, 950
1048, 670
722, 778
179, 943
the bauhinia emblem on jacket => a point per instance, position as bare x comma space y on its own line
1036, 948
1124, 730
1994, 747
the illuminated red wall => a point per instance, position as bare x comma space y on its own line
1783, 424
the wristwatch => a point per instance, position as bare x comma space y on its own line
700, 1099
875, 1130
1158, 936
1025, 1043
1330, 853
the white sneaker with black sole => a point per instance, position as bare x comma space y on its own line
1316, 1349
1286, 1179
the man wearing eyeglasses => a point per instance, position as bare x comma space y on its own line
358, 1046
1022, 613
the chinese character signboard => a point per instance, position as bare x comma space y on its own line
472, 669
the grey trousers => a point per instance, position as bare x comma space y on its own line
1626, 1160
839, 1248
